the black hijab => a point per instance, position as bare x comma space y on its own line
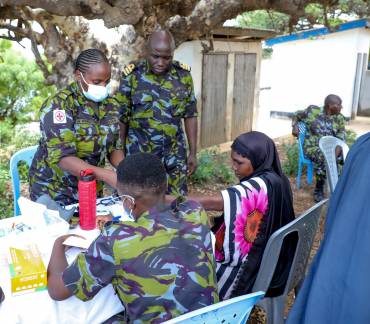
261, 151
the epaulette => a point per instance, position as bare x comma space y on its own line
184, 66
127, 69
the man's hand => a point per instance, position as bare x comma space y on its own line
57, 264
192, 164
338, 151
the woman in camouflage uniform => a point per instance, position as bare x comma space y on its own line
79, 129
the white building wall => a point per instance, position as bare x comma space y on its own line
303, 72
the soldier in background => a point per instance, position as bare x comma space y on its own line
79, 129
155, 95
320, 122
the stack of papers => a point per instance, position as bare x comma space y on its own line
84, 238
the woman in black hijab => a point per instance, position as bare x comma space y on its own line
252, 210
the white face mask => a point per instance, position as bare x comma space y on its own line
95, 92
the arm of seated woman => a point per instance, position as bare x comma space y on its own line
214, 202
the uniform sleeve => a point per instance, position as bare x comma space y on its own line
123, 97
301, 115
340, 130
57, 129
191, 101
91, 271
116, 144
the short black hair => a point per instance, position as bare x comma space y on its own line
89, 57
143, 170
330, 98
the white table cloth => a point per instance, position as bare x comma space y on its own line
38, 307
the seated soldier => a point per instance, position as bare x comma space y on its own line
165, 264
320, 122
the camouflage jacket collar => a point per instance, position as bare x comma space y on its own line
75, 89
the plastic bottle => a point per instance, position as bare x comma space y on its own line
87, 199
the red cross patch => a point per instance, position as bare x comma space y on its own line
59, 117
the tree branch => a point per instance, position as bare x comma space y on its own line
121, 12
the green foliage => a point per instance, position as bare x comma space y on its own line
6, 201
315, 14
290, 163
350, 137
212, 168
264, 19
22, 88
6, 131
12, 140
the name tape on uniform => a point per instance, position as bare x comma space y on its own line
59, 117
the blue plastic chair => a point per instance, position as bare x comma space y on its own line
235, 310
25, 155
302, 160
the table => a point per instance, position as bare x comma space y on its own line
38, 307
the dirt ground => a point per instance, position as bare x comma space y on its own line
302, 200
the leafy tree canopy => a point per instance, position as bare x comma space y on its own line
315, 14
63, 28
22, 88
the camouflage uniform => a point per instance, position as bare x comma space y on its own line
152, 106
89, 131
319, 124
161, 266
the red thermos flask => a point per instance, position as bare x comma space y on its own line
87, 199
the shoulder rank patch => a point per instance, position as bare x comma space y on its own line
127, 69
185, 66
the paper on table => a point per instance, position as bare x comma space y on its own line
77, 242
83, 243
27, 206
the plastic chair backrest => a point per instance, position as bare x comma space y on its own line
25, 155
235, 310
327, 146
306, 226
301, 137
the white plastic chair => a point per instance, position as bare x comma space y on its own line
327, 145
305, 226
235, 311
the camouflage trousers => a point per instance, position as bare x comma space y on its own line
318, 160
177, 180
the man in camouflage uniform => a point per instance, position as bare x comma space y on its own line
73, 126
321, 122
155, 95
161, 264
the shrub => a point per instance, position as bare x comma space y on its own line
18, 139
290, 163
350, 137
212, 168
